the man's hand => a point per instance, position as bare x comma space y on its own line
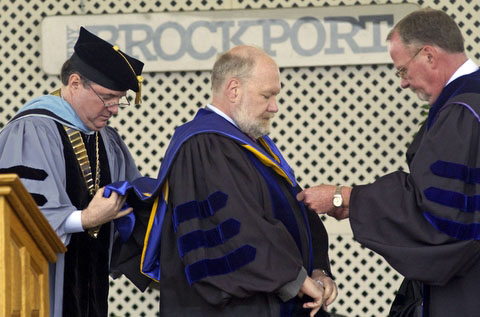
330, 287
313, 289
319, 199
102, 210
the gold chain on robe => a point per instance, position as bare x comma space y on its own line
82, 157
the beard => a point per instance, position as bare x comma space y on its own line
422, 95
254, 127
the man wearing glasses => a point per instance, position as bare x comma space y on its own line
426, 223
64, 153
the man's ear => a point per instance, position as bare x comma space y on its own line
74, 81
232, 89
432, 55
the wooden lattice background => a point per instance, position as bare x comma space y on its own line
346, 124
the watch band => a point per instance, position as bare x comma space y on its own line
337, 197
338, 190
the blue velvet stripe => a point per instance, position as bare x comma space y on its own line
208, 238
151, 260
453, 199
219, 266
462, 85
281, 207
199, 209
454, 229
456, 171
124, 225
283, 163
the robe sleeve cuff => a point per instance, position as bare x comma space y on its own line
291, 289
74, 222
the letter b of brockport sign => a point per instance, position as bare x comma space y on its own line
344, 35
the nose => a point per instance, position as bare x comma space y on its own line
113, 109
404, 83
273, 106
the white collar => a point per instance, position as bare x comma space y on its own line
221, 113
467, 68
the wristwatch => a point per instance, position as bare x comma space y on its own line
337, 197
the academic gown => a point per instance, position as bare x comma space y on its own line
223, 251
426, 222
206, 164
37, 148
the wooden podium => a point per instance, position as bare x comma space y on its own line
27, 245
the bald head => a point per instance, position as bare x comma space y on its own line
245, 84
237, 62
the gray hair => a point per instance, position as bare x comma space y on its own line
429, 27
233, 63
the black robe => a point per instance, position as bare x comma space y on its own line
207, 163
224, 251
425, 223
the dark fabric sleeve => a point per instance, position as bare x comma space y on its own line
208, 164
319, 242
408, 301
126, 257
388, 215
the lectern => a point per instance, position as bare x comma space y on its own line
27, 245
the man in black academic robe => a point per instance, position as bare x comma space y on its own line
227, 236
426, 222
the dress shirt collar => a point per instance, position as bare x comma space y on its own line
221, 113
467, 68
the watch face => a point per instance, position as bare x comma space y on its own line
337, 201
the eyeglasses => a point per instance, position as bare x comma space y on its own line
122, 101
402, 71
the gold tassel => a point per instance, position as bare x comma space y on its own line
138, 96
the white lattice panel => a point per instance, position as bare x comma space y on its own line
335, 124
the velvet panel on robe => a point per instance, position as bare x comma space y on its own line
221, 202
207, 164
32, 145
86, 283
398, 215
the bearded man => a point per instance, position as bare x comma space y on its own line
227, 236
